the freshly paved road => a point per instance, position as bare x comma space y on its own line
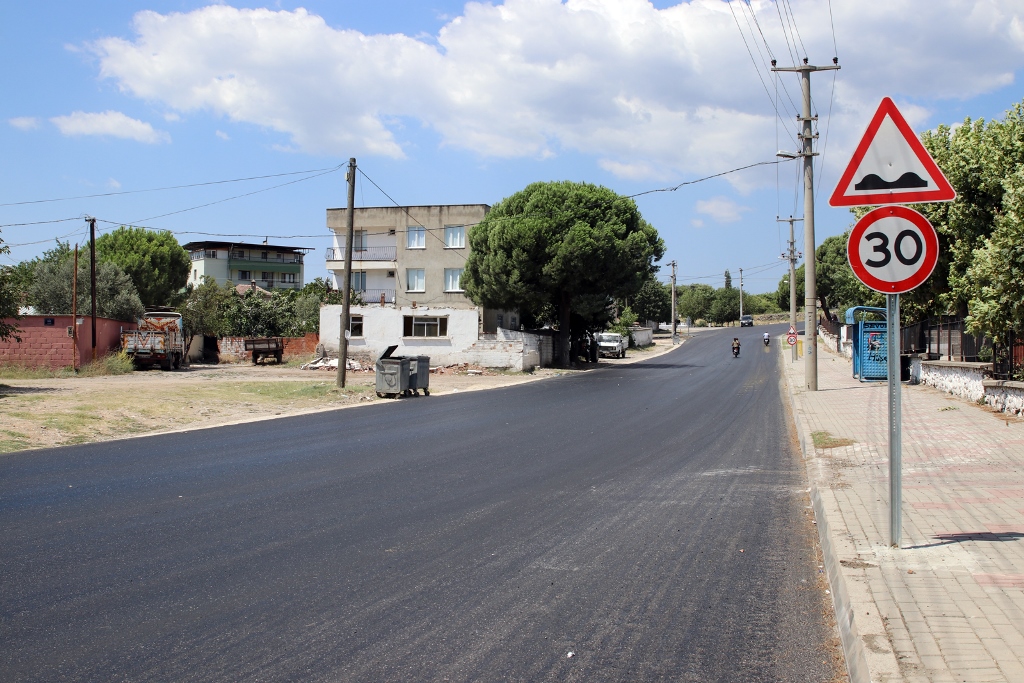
649, 518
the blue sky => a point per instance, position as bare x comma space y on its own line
449, 102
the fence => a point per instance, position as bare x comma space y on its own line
1008, 357
944, 338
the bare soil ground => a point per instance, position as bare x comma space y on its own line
41, 413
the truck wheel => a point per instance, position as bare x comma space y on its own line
278, 356
165, 364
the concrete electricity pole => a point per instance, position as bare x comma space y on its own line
741, 294
807, 135
675, 338
791, 255
346, 300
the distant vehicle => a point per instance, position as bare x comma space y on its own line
158, 341
612, 344
265, 347
746, 321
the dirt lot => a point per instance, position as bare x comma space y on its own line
39, 413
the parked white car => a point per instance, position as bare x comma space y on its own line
612, 344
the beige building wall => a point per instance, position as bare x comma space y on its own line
418, 236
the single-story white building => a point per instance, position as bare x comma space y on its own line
448, 335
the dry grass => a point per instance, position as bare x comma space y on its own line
826, 440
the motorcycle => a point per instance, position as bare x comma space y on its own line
767, 341
735, 352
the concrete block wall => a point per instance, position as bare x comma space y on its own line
965, 380
50, 346
496, 353
1004, 396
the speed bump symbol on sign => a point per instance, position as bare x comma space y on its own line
893, 249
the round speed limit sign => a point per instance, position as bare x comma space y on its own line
893, 249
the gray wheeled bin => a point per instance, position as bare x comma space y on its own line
419, 374
392, 374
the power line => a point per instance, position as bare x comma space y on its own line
701, 180
239, 196
169, 187
55, 220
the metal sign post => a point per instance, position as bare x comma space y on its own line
892, 310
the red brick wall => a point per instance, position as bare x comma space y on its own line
301, 346
50, 346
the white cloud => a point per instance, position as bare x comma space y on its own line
24, 122
113, 184
222, 135
721, 209
649, 93
109, 123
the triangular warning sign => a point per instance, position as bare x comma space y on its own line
792, 330
891, 166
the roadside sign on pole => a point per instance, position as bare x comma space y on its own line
791, 339
891, 166
893, 249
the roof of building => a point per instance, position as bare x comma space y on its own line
242, 289
411, 206
209, 244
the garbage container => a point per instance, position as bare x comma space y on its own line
392, 374
419, 374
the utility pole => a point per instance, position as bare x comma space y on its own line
675, 337
92, 277
346, 300
791, 255
741, 295
74, 315
807, 135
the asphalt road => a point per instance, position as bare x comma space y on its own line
648, 518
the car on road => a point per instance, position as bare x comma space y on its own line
746, 321
612, 344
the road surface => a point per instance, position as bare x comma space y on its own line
640, 522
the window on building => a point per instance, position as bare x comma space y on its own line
210, 253
454, 236
359, 280
288, 277
452, 277
355, 325
244, 275
416, 237
264, 255
416, 326
238, 253
267, 277
415, 280
359, 240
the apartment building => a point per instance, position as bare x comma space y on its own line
270, 266
405, 256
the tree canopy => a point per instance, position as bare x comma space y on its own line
9, 301
653, 301
559, 247
116, 297
155, 262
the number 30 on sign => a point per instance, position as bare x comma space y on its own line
893, 249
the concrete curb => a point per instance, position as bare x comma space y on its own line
853, 647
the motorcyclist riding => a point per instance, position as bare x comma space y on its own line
767, 339
735, 347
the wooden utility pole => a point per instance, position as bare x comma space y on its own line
74, 314
741, 295
347, 297
807, 153
92, 277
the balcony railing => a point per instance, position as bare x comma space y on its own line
270, 258
376, 296
364, 254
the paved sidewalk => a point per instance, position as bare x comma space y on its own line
949, 604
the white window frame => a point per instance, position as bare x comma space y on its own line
358, 240
247, 275
353, 322
449, 286
425, 323
415, 237
359, 278
422, 280
455, 237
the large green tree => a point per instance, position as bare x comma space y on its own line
558, 245
653, 302
726, 306
997, 271
694, 301
837, 286
782, 293
9, 301
156, 263
116, 298
204, 311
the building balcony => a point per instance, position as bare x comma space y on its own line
364, 254
376, 296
